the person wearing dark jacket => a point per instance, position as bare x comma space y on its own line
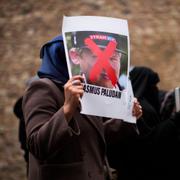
17, 109
18, 112
62, 143
154, 154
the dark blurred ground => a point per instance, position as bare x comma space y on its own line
25, 25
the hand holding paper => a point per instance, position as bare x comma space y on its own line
73, 90
137, 109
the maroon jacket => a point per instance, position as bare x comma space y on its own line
62, 151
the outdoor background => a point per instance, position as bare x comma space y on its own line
25, 25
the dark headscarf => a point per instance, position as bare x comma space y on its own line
54, 64
144, 82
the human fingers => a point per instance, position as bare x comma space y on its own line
74, 88
79, 93
135, 100
138, 113
75, 80
137, 110
78, 77
77, 85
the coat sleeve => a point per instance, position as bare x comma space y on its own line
46, 126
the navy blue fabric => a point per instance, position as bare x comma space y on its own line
54, 64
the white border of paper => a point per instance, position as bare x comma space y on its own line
177, 98
105, 106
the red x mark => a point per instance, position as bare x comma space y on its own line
102, 61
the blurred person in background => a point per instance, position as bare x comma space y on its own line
154, 153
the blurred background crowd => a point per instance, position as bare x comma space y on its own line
154, 28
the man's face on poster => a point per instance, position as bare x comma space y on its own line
87, 60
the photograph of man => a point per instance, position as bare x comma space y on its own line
97, 56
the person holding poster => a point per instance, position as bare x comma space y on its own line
99, 55
63, 143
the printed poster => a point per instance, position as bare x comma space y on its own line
98, 48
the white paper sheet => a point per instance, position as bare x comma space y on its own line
100, 100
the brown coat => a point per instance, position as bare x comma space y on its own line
58, 150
